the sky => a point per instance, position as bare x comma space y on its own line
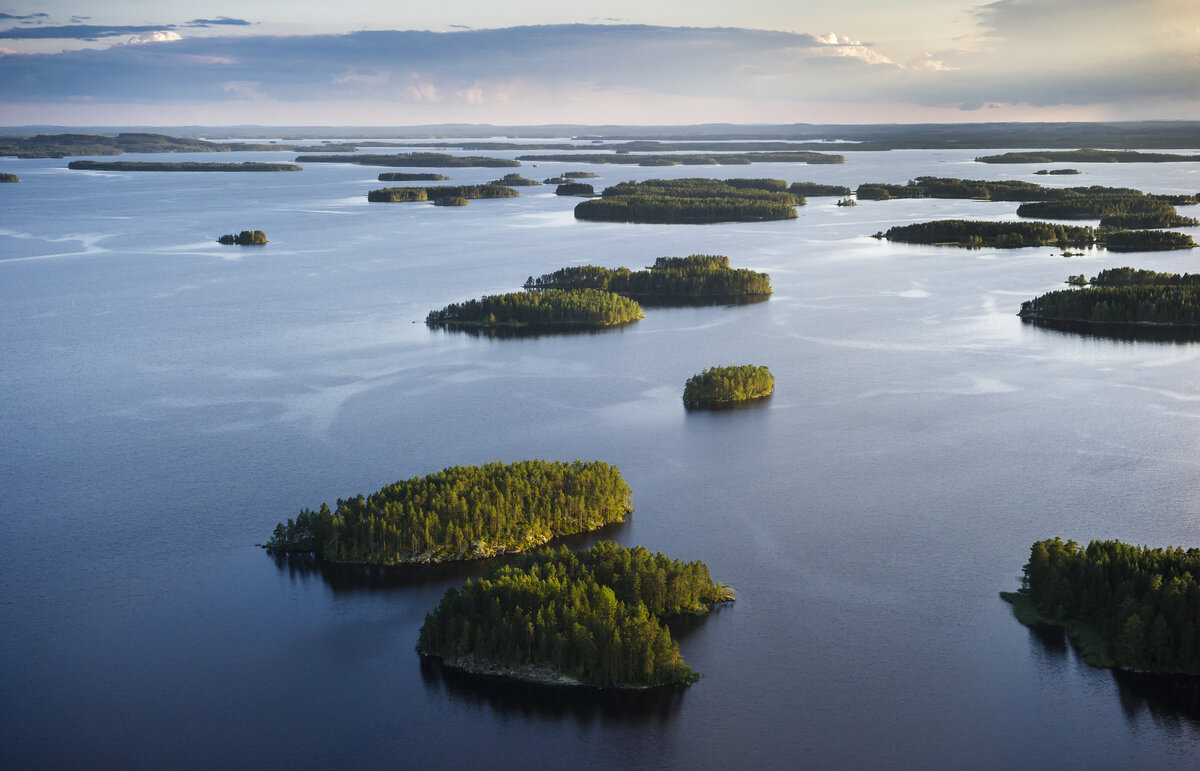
527, 62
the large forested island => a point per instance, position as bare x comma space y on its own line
718, 387
1118, 210
551, 310
991, 190
1123, 606
1086, 156
439, 192
411, 176
1123, 302
181, 166
420, 160
697, 277
689, 159
587, 618
63, 145
690, 201
1001, 235
462, 512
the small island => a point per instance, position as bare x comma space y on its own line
1123, 606
575, 188
718, 387
245, 238
1122, 302
425, 160
1000, 235
1058, 171
462, 513
548, 311
690, 201
181, 166
9, 178
669, 281
409, 194
411, 176
451, 200
558, 617
515, 180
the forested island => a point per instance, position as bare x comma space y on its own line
440, 192
245, 238
690, 201
451, 200
1120, 210
1087, 156
461, 513
815, 190
9, 178
423, 160
182, 166
670, 280
718, 387
987, 190
63, 145
515, 180
1122, 302
411, 176
1058, 171
689, 159
559, 617
551, 310
1000, 235
1123, 606
575, 188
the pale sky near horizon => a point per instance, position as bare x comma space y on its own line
268, 62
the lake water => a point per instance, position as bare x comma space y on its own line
164, 401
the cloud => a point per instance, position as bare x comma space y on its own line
243, 89
75, 32
217, 22
26, 17
161, 36
376, 78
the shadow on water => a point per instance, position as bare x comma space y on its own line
750, 404
527, 331
1155, 333
585, 704
341, 577
679, 301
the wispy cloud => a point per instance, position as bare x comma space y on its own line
77, 32
218, 22
26, 17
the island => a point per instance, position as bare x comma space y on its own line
669, 281
451, 200
689, 200
575, 188
688, 159
1124, 210
1122, 302
462, 513
9, 178
424, 160
548, 311
1000, 235
63, 145
411, 176
718, 387
515, 180
245, 238
1145, 240
408, 194
1058, 171
1087, 156
1122, 606
814, 190
557, 617
181, 166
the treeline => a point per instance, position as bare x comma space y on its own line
1161, 304
1002, 235
551, 308
462, 512
689, 201
689, 159
594, 616
63, 145
426, 160
1146, 240
691, 277
1139, 608
182, 166
435, 194
1133, 277
815, 190
411, 176
718, 386
245, 238
1086, 156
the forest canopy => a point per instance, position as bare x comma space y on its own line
1124, 606
724, 386
688, 278
593, 617
1121, 302
548, 310
439, 192
1001, 235
462, 512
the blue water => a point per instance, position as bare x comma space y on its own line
164, 401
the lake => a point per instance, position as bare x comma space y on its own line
165, 401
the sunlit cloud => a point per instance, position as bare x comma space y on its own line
162, 36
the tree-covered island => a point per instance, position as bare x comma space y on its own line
670, 280
815, 190
1000, 235
1060, 172
1120, 211
1124, 606
558, 617
1087, 156
439, 192
9, 178
690, 201
689, 159
718, 387
551, 310
1122, 302
420, 160
181, 166
411, 176
245, 238
515, 180
63, 145
575, 188
461, 513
